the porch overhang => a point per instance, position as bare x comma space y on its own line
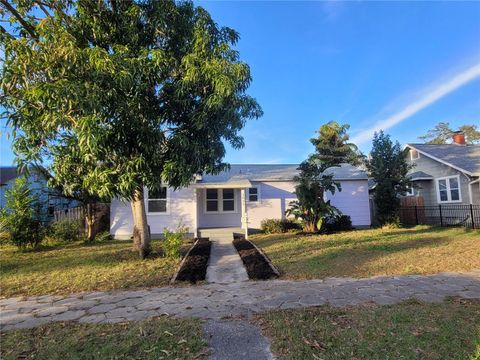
232, 184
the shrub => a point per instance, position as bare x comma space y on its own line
103, 236
277, 226
66, 230
20, 220
393, 223
173, 241
338, 223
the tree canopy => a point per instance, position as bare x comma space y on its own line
388, 167
120, 95
442, 134
331, 149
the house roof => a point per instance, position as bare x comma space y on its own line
420, 175
277, 172
7, 173
465, 158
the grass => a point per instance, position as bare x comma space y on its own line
80, 267
363, 253
158, 338
410, 330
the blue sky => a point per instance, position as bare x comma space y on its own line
399, 66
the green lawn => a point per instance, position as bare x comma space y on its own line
159, 338
363, 253
82, 267
410, 330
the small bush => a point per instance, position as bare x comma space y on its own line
20, 220
173, 241
66, 230
277, 226
393, 223
338, 223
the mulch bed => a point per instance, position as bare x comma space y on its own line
257, 266
194, 266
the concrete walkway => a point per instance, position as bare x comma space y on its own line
236, 339
225, 265
216, 301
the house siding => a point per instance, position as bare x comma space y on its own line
476, 193
181, 210
187, 206
40, 189
428, 189
353, 201
274, 199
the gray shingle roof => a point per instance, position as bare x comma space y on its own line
464, 157
419, 175
277, 172
7, 173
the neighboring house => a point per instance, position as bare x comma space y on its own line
447, 173
239, 199
49, 200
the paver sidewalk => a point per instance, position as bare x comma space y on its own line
215, 301
225, 265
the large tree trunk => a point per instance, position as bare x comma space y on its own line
141, 233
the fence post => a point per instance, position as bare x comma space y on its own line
416, 215
471, 214
441, 220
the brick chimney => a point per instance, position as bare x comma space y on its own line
459, 138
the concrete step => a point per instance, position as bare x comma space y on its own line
219, 233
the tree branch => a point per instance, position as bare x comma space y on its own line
29, 28
5, 32
40, 5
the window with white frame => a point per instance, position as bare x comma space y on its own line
414, 154
410, 191
157, 200
253, 194
220, 200
449, 189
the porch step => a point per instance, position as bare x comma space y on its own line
220, 233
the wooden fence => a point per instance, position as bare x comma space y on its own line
76, 213
101, 213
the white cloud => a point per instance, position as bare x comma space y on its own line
332, 9
426, 100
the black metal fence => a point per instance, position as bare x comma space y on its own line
442, 215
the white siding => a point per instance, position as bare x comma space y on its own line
274, 199
353, 201
187, 206
181, 209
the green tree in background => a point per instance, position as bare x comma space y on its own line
122, 95
21, 218
331, 149
388, 167
442, 134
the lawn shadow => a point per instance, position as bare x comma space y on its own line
334, 256
71, 256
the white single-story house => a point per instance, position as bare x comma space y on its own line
239, 198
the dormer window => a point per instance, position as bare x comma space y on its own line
414, 154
